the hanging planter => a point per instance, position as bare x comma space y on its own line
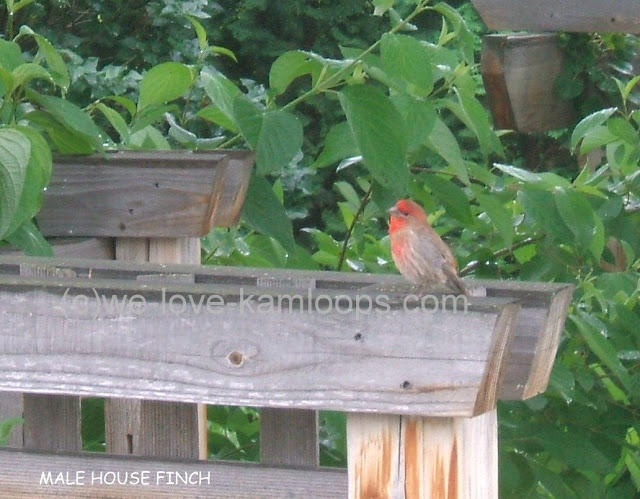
519, 72
145, 193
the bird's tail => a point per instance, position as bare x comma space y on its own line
456, 284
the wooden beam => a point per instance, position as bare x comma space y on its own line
389, 359
621, 16
537, 330
21, 476
145, 194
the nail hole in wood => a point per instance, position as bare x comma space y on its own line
358, 337
406, 385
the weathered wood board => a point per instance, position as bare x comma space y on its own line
145, 194
283, 348
621, 16
540, 322
93, 476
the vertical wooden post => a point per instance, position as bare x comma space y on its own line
154, 428
404, 457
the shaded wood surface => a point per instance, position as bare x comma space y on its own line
621, 16
519, 73
405, 361
21, 476
145, 194
410, 457
289, 437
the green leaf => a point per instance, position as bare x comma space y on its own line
540, 210
216, 49
201, 34
163, 83
461, 31
444, 143
264, 213
15, 151
288, 67
405, 58
601, 347
474, 115
24, 73
56, 64
382, 6
148, 138
222, 93
180, 134
71, 117
37, 177
275, 135
338, 145
623, 129
28, 238
545, 180
452, 197
20, 4
588, 124
117, 122
64, 140
499, 215
10, 55
577, 214
420, 117
380, 133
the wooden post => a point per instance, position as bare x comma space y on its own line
405, 457
147, 427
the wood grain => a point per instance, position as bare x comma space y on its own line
21, 474
145, 194
407, 457
403, 361
536, 299
588, 16
151, 427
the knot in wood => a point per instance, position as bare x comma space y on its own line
236, 358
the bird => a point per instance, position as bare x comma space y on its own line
419, 253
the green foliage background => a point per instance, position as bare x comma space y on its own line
348, 111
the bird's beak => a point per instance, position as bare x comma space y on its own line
393, 211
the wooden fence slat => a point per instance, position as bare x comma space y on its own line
21, 477
289, 437
52, 422
150, 427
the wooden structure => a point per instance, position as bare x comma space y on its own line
305, 340
519, 70
621, 16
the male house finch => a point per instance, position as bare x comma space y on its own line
417, 250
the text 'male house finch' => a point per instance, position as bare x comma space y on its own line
418, 251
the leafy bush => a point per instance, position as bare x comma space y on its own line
339, 137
